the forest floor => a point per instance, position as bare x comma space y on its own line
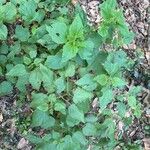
137, 16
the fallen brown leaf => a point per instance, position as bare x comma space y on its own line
95, 103
146, 143
22, 144
1, 117
74, 2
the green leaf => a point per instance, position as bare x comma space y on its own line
2, 12
3, 32
4, 48
42, 119
118, 82
102, 79
95, 61
138, 111
129, 38
33, 54
46, 41
60, 85
75, 40
115, 62
34, 139
2, 2
5, 88
15, 49
27, 60
56, 135
1, 72
3, 59
111, 68
52, 98
103, 31
38, 99
60, 106
135, 90
76, 27
35, 78
109, 4
87, 51
27, 10
47, 76
43, 107
47, 137
39, 15
132, 102
69, 52
89, 130
79, 137
22, 33
39, 75
70, 71
106, 98
110, 126
67, 144
91, 118
54, 62
84, 106
81, 95
18, 70
75, 113
107, 9
87, 82
47, 146
71, 122
22, 82
58, 32
121, 109
127, 35
10, 12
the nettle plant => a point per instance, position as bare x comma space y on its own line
78, 91
114, 28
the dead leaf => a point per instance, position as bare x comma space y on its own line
12, 127
146, 143
95, 103
120, 126
22, 144
1, 117
74, 2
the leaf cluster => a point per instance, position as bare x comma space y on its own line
51, 50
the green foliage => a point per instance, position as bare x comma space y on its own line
42, 119
41, 75
89, 130
57, 62
22, 33
5, 88
8, 12
57, 32
75, 113
81, 95
113, 28
18, 70
3, 32
87, 82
